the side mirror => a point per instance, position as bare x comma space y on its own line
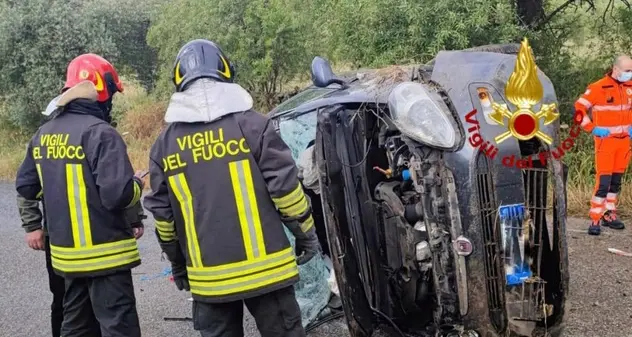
322, 74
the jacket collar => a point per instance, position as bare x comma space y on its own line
84, 90
206, 100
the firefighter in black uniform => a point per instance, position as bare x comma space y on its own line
223, 183
78, 162
37, 239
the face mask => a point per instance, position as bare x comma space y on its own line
624, 77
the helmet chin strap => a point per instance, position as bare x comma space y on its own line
106, 108
107, 105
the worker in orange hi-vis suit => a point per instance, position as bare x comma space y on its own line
605, 111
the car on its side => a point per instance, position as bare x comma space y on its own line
429, 234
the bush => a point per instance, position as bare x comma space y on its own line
38, 38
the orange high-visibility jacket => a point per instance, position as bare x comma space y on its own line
606, 103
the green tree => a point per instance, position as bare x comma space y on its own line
39, 37
127, 22
265, 39
380, 32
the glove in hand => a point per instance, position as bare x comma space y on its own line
180, 277
601, 132
630, 132
307, 247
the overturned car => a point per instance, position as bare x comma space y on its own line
430, 231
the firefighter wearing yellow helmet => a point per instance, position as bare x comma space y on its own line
223, 184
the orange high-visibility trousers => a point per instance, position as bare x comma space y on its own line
612, 156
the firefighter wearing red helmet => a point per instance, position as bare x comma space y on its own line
78, 162
223, 184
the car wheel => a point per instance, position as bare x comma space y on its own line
502, 48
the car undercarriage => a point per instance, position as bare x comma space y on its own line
424, 240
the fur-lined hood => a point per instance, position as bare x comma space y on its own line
83, 90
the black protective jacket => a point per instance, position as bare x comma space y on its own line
221, 178
78, 163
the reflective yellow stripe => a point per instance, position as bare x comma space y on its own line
296, 209
39, 174
289, 199
245, 283
83, 202
254, 208
308, 224
110, 248
293, 204
78, 206
246, 201
180, 187
100, 263
137, 194
166, 230
241, 268
98, 257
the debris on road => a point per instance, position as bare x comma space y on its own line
619, 252
165, 273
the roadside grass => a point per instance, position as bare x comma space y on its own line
140, 127
12, 150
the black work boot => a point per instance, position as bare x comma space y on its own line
594, 228
610, 220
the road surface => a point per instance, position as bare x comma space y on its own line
601, 292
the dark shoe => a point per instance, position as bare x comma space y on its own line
594, 229
610, 220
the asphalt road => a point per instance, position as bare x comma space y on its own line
600, 305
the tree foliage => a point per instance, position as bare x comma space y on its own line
272, 42
39, 37
265, 39
379, 32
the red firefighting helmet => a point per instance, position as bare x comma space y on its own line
96, 69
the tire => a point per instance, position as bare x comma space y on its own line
506, 48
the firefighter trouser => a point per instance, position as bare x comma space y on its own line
612, 156
277, 314
112, 299
56, 286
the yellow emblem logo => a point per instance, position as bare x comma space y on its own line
99, 82
177, 77
524, 90
226, 71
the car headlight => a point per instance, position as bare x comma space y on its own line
422, 115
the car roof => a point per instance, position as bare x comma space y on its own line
363, 85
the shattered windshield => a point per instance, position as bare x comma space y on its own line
298, 131
301, 98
